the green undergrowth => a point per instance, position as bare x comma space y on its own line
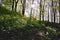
10, 20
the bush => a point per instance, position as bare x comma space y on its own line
9, 19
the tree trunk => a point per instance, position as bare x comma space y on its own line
23, 7
52, 11
16, 5
43, 11
55, 11
48, 14
59, 11
31, 11
12, 4
54, 14
40, 9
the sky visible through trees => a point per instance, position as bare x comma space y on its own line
46, 10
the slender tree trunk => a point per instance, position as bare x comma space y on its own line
16, 1
40, 9
43, 11
12, 4
52, 11
23, 7
48, 14
31, 14
31, 11
54, 14
59, 11
55, 11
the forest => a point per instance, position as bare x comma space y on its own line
29, 19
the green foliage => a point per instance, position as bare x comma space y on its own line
9, 19
7, 2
